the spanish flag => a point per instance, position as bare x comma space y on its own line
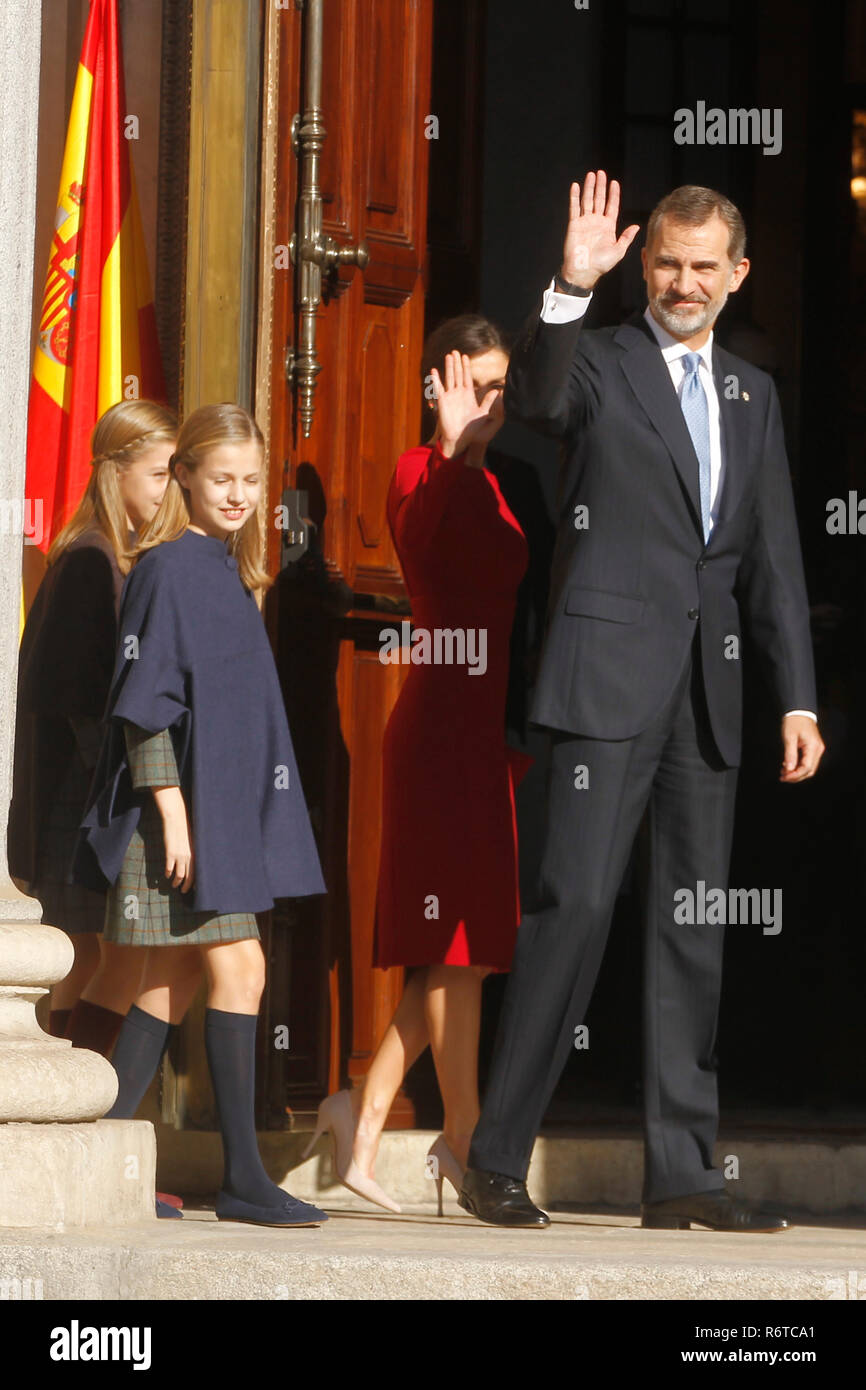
97, 341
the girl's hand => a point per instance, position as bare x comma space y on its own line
179, 857
463, 422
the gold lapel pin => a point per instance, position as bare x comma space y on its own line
745, 395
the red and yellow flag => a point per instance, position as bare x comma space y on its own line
97, 341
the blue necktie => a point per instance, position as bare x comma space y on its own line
693, 399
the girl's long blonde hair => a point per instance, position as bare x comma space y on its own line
205, 429
119, 437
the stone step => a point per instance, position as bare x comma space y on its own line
807, 1171
65, 1175
416, 1256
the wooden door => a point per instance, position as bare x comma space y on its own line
376, 61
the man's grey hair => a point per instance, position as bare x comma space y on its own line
694, 206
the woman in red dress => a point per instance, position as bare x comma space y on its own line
448, 886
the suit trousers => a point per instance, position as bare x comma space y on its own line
673, 769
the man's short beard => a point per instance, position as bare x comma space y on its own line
680, 324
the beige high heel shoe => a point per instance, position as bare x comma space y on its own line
444, 1165
335, 1115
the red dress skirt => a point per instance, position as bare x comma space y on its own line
448, 881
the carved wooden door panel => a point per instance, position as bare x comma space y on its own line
338, 573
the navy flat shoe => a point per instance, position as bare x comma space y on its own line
165, 1210
291, 1212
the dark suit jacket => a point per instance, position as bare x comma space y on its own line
628, 591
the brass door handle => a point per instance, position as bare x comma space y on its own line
329, 253
312, 253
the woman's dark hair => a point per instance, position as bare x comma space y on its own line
469, 333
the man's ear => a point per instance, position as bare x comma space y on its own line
643, 260
739, 275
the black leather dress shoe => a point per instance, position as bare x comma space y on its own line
718, 1210
499, 1200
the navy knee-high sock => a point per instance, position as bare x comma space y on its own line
140, 1044
230, 1041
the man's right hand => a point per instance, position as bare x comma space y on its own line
591, 244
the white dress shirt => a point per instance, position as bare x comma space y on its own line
565, 308
673, 351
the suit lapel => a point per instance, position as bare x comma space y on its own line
647, 373
734, 414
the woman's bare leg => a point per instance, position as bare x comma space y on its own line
403, 1043
453, 1010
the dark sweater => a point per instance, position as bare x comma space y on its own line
64, 674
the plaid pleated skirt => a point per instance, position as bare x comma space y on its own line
142, 908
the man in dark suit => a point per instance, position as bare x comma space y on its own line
677, 532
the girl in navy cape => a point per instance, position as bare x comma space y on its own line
64, 676
197, 819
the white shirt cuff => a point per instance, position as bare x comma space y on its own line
808, 713
563, 308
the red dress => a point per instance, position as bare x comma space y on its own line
448, 884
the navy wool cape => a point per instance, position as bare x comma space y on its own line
201, 666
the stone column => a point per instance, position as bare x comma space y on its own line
73, 1172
